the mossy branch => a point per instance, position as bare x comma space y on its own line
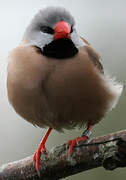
108, 151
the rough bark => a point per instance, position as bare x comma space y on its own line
108, 151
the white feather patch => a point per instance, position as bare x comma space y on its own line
115, 88
77, 40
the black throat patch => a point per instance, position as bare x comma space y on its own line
60, 48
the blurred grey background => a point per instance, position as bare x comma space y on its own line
103, 24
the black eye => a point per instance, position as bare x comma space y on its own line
47, 29
71, 29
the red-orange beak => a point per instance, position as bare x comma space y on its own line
62, 30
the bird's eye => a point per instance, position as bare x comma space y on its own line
47, 29
71, 29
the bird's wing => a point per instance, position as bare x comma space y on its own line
94, 56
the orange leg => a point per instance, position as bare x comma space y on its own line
84, 137
41, 149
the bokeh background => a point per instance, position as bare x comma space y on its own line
103, 24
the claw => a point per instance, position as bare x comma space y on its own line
36, 158
84, 137
71, 143
41, 149
68, 143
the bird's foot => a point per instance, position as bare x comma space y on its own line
36, 158
41, 149
71, 143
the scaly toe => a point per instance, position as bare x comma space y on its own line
68, 144
36, 158
71, 143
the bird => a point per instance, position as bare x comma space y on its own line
56, 79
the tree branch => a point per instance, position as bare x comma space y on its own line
108, 151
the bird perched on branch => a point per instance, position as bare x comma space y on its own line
56, 80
